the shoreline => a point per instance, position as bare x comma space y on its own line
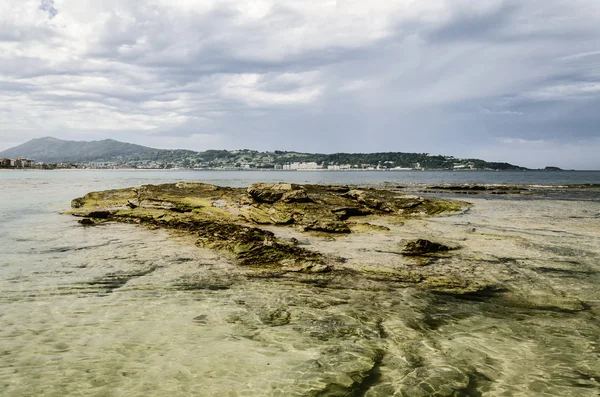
300, 170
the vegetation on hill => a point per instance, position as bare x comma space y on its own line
120, 154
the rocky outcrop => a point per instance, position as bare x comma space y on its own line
393, 203
231, 219
273, 192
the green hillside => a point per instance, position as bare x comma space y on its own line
121, 154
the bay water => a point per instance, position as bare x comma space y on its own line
119, 310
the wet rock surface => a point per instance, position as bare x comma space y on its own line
479, 189
86, 222
230, 219
423, 247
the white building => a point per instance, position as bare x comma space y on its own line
302, 166
338, 167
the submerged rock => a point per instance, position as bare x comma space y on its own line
86, 222
275, 318
423, 247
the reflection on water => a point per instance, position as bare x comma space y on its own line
117, 310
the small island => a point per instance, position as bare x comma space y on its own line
261, 226
315, 233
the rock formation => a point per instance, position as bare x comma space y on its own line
240, 222
423, 247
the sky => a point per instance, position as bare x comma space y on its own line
501, 80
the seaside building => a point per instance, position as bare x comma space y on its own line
339, 167
23, 163
16, 163
302, 166
460, 166
101, 165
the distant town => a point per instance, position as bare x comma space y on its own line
293, 166
22, 163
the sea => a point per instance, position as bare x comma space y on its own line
121, 310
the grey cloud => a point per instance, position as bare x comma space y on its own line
197, 46
521, 70
469, 25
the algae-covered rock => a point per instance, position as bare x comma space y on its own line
269, 192
391, 202
295, 196
323, 223
256, 215
371, 200
275, 318
225, 218
423, 247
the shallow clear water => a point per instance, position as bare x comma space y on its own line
118, 310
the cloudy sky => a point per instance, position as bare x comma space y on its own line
502, 80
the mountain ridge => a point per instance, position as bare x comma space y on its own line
49, 149
53, 150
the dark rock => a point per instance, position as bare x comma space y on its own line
423, 247
346, 212
78, 202
200, 286
201, 319
99, 214
338, 189
161, 205
476, 189
87, 222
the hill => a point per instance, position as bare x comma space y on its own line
53, 150
127, 155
